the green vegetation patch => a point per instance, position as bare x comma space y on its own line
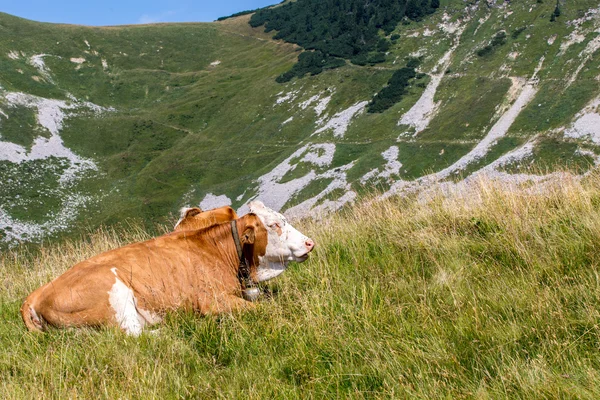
37, 198
421, 158
497, 40
395, 89
549, 110
469, 105
553, 153
20, 127
311, 62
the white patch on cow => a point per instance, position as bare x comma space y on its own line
339, 122
285, 243
264, 273
150, 317
211, 201
35, 318
122, 300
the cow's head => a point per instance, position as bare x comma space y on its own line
285, 243
195, 218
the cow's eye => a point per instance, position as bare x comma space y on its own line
274, 225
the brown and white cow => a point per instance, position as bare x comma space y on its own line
195, 218
134, 286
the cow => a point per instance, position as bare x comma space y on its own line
195, 218
204, 270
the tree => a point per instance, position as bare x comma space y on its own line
557, 10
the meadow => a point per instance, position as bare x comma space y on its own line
492, 292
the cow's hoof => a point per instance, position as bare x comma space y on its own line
251, 293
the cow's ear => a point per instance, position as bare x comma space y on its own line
248, 236
191, 212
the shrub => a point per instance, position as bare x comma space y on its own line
517, 32
376, 58
310, 62
498, 40
383, 45
393, 92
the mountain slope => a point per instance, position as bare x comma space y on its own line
142, 120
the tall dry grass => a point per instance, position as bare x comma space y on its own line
490, 292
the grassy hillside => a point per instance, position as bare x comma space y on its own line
151, 118
490, 292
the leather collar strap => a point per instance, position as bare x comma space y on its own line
236, 240
243, 271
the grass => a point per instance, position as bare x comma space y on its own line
491, 293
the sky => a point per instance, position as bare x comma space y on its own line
115, 12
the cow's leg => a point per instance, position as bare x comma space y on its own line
228, 304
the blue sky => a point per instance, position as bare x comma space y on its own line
115, 12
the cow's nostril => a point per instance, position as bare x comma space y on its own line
309, 244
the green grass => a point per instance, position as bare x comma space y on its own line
492, 295
36, 197
21, 128
469, 110
554, 153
